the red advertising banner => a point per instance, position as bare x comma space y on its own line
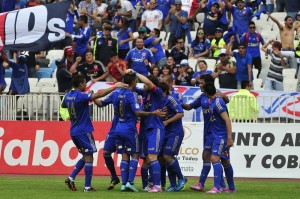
30, 147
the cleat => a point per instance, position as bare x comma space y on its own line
70, 184
149, 186
123, 188
170, 189
113, 183
155, 189
91, 189
214, 190
163, 188
197, 187
181, 184
223, 189
227, 190
131, 187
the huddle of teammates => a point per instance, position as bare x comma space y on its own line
160, 135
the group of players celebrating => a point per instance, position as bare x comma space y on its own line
160, 112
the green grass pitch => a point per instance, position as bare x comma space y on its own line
43, 187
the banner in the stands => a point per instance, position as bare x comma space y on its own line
272, 104
34, 28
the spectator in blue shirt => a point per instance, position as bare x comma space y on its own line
124, 37
223, 22
202, 65
252, 40
82, 37
243, 62
241, 16
200, 46
139, 58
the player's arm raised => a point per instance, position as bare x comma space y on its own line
142, 78
108, 90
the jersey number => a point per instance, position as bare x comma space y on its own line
71, 109
121, 109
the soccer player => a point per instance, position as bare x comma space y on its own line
222, 135
128, 110
151, 128
82, 128
203, 101
110, 141
173, 138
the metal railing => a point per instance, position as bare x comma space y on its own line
45, 107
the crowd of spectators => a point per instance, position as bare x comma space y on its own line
101, 42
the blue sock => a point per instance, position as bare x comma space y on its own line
163, 168
222, 183
205, 171
78, 167
229, 176
217, 174
150, 180
172, 177
156, 172
132, 169
175, 168
110, 165
88, 170
124, 171
144, 175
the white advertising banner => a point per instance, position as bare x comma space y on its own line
260, 150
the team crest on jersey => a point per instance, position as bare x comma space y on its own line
216, 15
95, 67
109, 42
144, 54
244, 12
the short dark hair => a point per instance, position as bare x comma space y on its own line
243, 45
277, 44
164, 87
207, 78
83, 18
209, 89
251, 23
203, 61
113, 54
88, 51
153, 79
287, 17
157, 32
129, 78
245, 83
77, 80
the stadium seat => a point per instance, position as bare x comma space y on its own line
255, 72
269, 35
217, 83
210, 64
193, 34
48, 82
193, 63
200, 18
257, 84
163, 35
43, 74
8, 81
279, 15
49, 89
53, 65
34, 89
290, 85
289, 73
54, 54
32, 82
135, 34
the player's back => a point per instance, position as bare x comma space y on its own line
173, 107
218, 125
126, 106
78, 107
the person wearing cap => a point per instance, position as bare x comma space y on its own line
104, 45
243, 62
185, 74
252, 40
124, 9
217, 43
225, 70
176, 17
143, 33
152, 18
224, 22
241, 15
243, 106
202, 66
63, 77
68, 56
212, 18
19, 78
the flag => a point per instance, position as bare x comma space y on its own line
35, 28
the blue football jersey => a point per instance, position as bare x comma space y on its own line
203, 101
218, 125
127, 106
177, 95
152, 100
82, 40
172, 107
78, 107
